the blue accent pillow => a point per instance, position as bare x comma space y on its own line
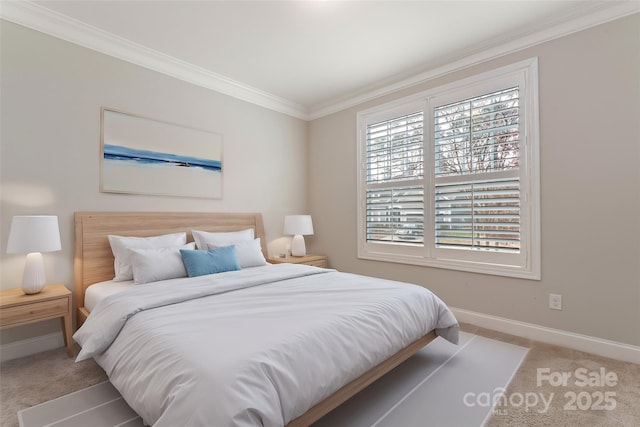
199, 263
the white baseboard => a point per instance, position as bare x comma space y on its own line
599, 346
22, 348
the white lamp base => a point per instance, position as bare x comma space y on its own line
33, 277
297, 246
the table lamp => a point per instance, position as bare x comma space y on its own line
31, 235
298, 225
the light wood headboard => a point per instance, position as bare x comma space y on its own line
93, 261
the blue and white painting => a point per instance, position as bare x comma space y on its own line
145, 156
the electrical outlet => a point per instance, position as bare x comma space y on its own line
555, 302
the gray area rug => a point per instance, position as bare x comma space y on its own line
440, 386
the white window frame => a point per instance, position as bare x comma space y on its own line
526, 263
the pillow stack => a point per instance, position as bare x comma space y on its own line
248, 249
169, 256
122, 246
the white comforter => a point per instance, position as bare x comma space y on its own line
253, 347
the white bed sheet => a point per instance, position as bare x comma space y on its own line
256, 347
99, 291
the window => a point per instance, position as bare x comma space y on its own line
449, 177
395, 180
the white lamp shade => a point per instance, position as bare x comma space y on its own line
34, 233
298, 224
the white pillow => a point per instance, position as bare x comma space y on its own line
204, 238
248, 252
120, 246
151, 265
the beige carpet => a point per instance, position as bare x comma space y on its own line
22, 385
42, 377
563, 360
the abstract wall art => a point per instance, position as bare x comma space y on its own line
145, 156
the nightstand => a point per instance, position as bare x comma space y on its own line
17, 309
315, 260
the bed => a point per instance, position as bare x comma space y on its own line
271, 345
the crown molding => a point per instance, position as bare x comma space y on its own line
44, 20
601, 14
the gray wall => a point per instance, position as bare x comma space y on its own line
590, 190
52, 92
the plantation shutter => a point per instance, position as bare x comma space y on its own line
477, 184
394, 180
464, 194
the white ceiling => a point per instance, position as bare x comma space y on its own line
312, 55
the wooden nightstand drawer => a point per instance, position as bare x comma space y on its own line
318, 263
17, 309
314, 260
34, 312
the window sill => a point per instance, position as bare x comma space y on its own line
466, 266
